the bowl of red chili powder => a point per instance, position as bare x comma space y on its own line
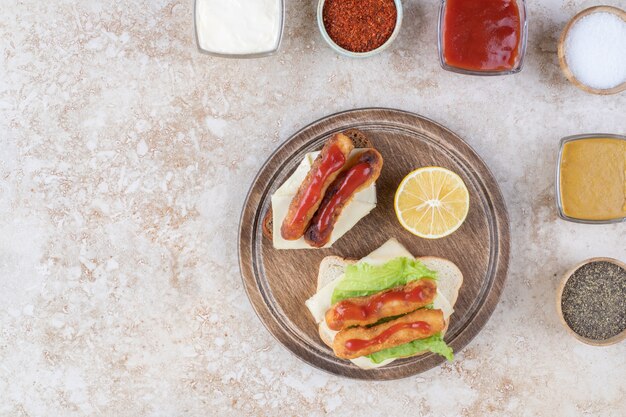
359, 28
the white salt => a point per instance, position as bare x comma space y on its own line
595, 50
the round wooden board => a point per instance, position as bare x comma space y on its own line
279, 281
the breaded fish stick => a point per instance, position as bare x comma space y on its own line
360, 341
359, 173
308, 198
361, 311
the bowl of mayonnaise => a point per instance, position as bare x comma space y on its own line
239, 28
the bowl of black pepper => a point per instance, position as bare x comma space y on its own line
359, 28
591, 301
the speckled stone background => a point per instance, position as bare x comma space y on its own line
125, 159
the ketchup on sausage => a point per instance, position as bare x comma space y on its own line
363, 169
333, 161
356, 176
349, 310
358, 344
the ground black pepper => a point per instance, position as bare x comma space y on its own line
594, 300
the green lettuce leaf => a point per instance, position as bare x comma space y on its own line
433, 343
363, 279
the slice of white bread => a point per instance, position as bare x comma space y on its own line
331, 268
450, 276
449, 281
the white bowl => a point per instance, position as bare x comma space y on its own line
342, 51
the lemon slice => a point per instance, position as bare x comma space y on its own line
431, 202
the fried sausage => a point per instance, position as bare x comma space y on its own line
361, 311
323, 172
359, 173
361, 341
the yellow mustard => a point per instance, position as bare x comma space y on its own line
593, 179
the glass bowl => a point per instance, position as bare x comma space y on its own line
521, 4
557, 188
281, 26
342, 51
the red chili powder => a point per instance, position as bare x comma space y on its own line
359, 25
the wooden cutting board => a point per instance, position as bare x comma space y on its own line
279, 281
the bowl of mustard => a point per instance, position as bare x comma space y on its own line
591, 178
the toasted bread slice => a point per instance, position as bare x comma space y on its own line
268, 224
359, 139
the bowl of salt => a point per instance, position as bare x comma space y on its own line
592, 50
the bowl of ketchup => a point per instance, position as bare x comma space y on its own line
482, 37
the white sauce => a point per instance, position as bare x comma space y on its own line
238, 26
595, 50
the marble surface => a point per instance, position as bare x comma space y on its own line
125, 159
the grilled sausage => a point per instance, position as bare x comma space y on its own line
361, 341
362, 311
323, 172
359, 173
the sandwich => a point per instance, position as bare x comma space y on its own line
386, 306
329, 192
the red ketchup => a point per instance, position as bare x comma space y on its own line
348, 310
358, 344
354, 178
481, 35
333, 161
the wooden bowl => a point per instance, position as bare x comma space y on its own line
559, 294
561, 50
